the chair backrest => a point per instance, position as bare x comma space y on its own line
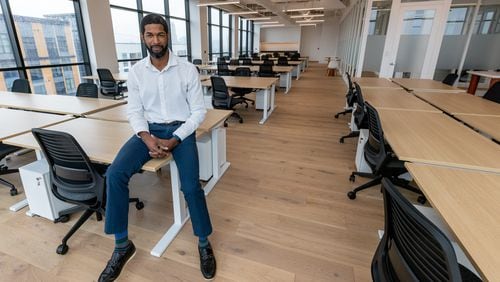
268, 62
351, 96
282, 61
87, 90
276, 54
223, 69
412, 248
105, 75
450, 79
375, 148
74, 178
493, 94
264, 57
220, 93
266, 71
234, 62
197, 62
221, 60
242, 71
295, 57
21, 85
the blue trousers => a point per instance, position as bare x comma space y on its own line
132, 156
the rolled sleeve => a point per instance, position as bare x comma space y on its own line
194, 97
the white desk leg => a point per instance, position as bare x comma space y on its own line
288, 81
299, 70
181, 214
218, 149
265, 112
19, 205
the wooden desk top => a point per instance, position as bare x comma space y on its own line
435, 138
15, 122
425, 85
490, 74
56, 104
244, 82
119, 114
487, 124
293, 63
396, 99
117, 76
375, 82
100, 139
468, 201
252, 68
461, 103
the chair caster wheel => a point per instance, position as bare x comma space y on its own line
13, 192
421, 199
352, 178
341, 140
62, 218
246, 106
62, 249
351, 195
139, 205
336, 116
241, 121
225, 124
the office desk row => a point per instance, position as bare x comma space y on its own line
112, 135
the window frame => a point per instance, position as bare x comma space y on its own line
221, 27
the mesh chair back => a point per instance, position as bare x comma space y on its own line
266, 71
105, 75
234, 62
221, 60
264, 57
21, 85
493, 94
197, 62
375, 148
242, 71
220, 95
74, 178
247, 62
223, 69
276, 54
450, 79
87, 90
268, 62
282, 61
413, 248
295, 57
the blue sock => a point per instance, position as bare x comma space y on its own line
203, 242
121, 240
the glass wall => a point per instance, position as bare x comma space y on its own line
126, 16
246, 30
220, 26
42, 42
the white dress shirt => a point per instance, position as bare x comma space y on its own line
174, 93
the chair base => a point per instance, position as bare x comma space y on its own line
6, 170
343, 113
233, 114
350, 135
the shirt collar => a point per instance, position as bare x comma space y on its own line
172, 61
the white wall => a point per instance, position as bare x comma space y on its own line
99, 34
321, 41
280, 34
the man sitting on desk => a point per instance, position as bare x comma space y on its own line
165, 107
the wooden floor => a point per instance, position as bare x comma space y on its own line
280, 213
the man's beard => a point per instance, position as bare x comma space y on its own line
157, 54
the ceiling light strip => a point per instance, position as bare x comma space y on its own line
217, 3
307, 16
304, 9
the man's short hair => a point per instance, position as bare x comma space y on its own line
153, 19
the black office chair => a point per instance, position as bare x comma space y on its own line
493, 94
241, 92
221, 60
380, 159
21, 85
282, 61
268, 62
6, 150
264, 57
450, 79
276, 54
413, 248
295, 57
87, 90
223, 70
242, 57
255, 57
222, 100
360, 117
350, 97
109, 86
75, 179
197, 62
234, 62
266, 71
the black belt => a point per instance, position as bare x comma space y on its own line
173, 123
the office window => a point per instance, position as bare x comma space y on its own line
379, 20
456, 21
126, 24
49, 37
488, 20
418, 22
220, 27
246, 37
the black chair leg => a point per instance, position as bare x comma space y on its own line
63, 248
343, 113
6, 170
405, 184
352, 194
350, 135
138, 204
